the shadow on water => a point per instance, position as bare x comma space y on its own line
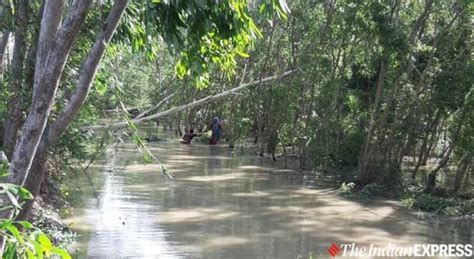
223, 205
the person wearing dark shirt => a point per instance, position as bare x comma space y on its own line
188, 137
216, 128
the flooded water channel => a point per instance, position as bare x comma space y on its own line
222, 204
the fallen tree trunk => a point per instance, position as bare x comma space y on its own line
117, 109
155, 106
199, 102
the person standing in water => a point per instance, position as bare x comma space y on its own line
189, 136
216, 128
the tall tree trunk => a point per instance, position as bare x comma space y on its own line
47, 79
59, 126
463, 166
385, 142
233, 112
30, 62
431, 183
423, 152
35, 179
13, 119
4, 39
3, 47
364, 175
304, 154
425, 148
420, 21
51, 19
261, 109
47, 75
46, 82
467, 178
432, 145
24, 87
260, 126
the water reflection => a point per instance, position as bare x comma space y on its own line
221, 205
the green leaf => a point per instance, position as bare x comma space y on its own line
9, 252
29, 254
243, 54
180, 69
262, 8
24, 193
45, 243
7, 207
13, 200
16, 234
4, 174
25, 224
61, 252
284, 6
12, 6
100, 88
8, 187
38, 249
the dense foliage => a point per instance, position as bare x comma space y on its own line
380, 89
23, 239
383, 88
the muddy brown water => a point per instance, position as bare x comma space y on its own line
222, 204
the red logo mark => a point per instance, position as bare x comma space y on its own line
333, 249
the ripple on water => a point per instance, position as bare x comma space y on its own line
222, 205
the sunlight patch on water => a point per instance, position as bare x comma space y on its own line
306, 191
255, 168
144, 188
224, 242
194, 215
214, 178
306, 222
143, 168
188, 157
251, 194
284, 197
182, 162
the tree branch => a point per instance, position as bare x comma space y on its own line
50, 23
88, 72
46, 84
3, 46
201, 101
156, 106
419, 22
